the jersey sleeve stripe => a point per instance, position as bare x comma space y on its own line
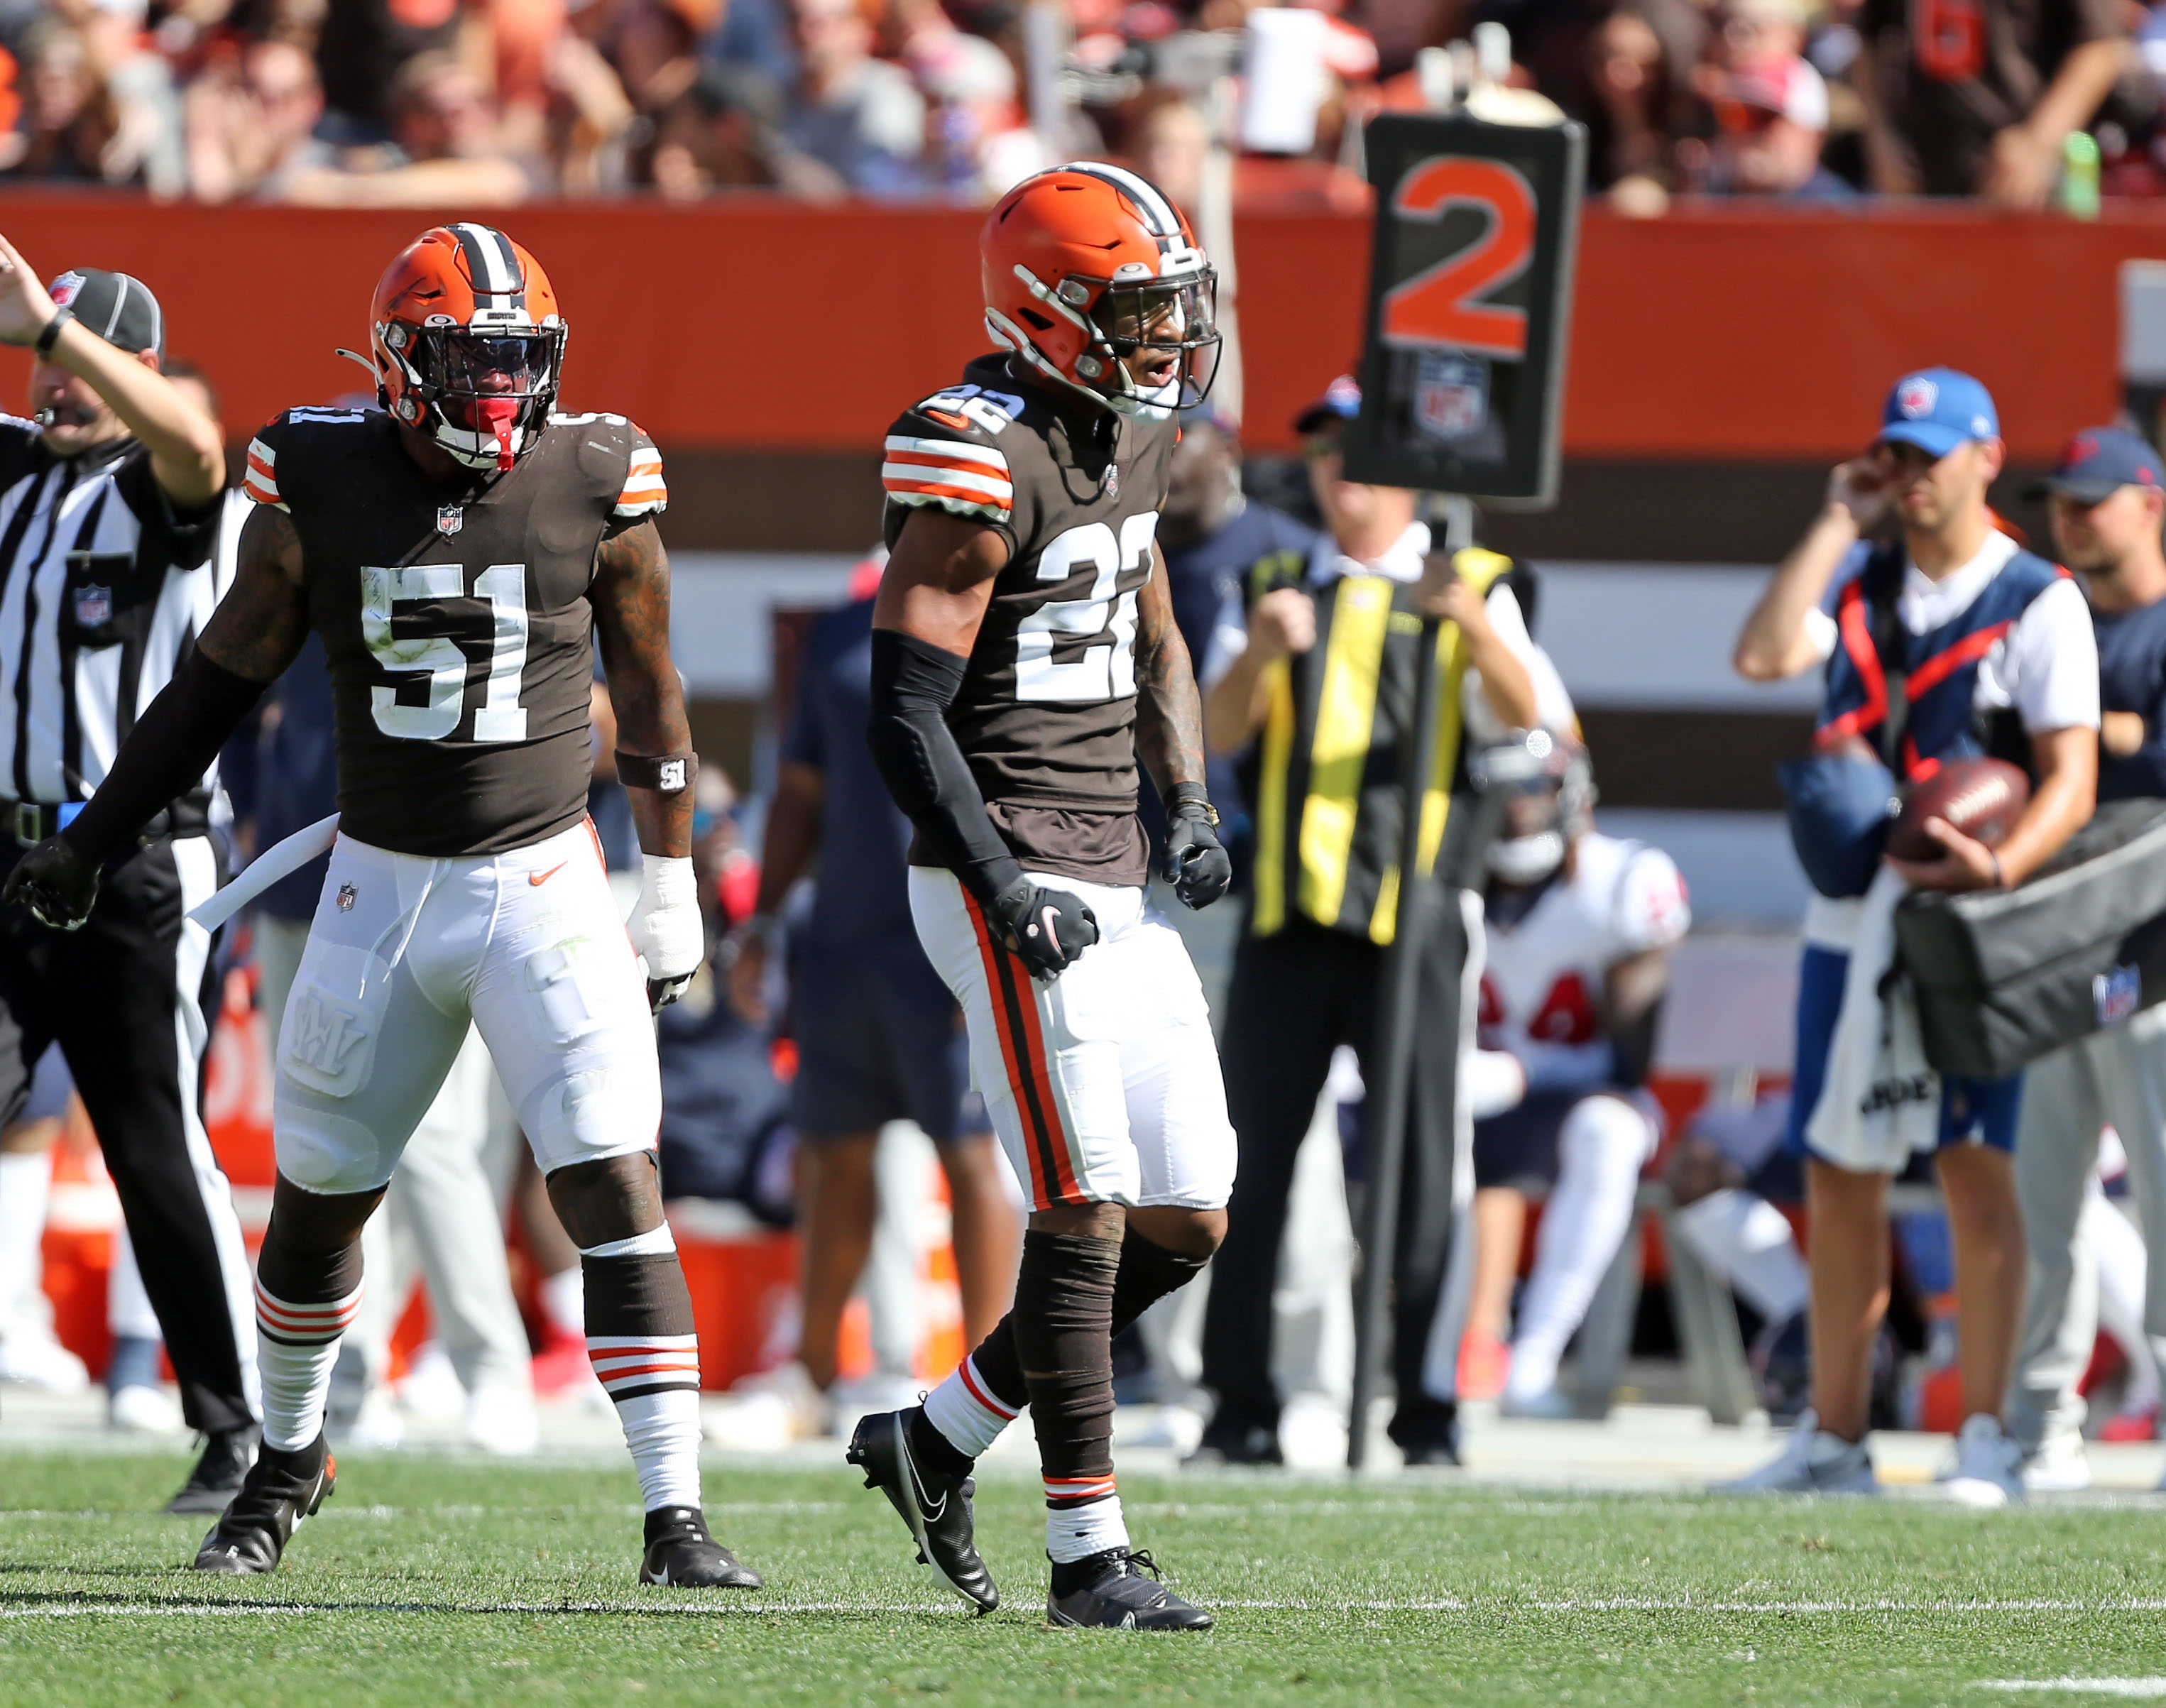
948, 498
946, 451
905, 477
261, 478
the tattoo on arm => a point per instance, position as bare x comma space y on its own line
258, 628
630, 598
1169, 709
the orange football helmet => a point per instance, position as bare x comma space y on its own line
467, 343
1093, 279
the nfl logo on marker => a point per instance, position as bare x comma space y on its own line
2118, 994
346, 896
94, 606
1917, 397
449, 519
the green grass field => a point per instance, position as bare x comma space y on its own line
436, 1581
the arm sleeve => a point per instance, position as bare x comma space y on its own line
644, 493
165, 756
914, 684
1652, 910
1552, 703
2054, 650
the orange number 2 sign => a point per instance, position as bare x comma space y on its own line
1438, 304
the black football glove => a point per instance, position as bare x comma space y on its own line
1196, 864
1048, 928
56, 883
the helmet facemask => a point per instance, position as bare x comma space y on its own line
1543, 816
1150, 344
482, 393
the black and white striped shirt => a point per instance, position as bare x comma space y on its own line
103, 587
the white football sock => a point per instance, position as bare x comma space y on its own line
1600, 1149
1750, 1243
296, 1346
652, 1378
26, 1184
1077, 1532
2117, 1249
663, 1431
962, 1409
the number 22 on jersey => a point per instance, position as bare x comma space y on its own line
500, 717
1106, 672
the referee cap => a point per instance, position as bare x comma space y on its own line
116, 306
2098, 462
1938, 409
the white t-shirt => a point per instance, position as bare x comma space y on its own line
2045, 666
1229, 637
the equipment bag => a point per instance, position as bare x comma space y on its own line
2003, 976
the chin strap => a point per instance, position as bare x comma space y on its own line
496, 415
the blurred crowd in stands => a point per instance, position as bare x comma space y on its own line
483, 103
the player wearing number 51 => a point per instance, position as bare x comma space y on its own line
1024, 656
457, 549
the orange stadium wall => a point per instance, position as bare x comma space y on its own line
757, 326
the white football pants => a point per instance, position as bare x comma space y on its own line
1103, 1083
405, 953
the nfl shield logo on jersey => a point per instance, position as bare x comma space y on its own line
449, 519
1113, 480
94, 606
346, 897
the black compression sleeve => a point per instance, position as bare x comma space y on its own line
165, 755
913, 686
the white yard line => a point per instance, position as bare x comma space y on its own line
2087, 1687
1497, 1604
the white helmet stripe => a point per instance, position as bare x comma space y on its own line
1158, 212
489, 254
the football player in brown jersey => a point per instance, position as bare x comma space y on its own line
458, 551
1024, 655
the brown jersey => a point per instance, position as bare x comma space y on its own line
455, 619
1047, 714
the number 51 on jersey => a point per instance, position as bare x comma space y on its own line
1469, 304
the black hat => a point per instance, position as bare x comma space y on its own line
120, 309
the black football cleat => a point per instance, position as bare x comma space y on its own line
217, 1478
280, 1490
681, 1553
936, 1507
1427, 1432
1113, 1589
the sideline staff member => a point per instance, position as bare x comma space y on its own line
1322, 672
108, 513
2109, 504
1940, 639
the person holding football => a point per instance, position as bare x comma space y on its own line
1947, 640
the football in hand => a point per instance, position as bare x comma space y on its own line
1982, 798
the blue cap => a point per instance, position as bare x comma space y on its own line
1341, 401
2098, 461
1938, 409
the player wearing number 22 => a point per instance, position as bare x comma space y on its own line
458, 550
1024, 655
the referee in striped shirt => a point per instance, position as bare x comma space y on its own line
109, 521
